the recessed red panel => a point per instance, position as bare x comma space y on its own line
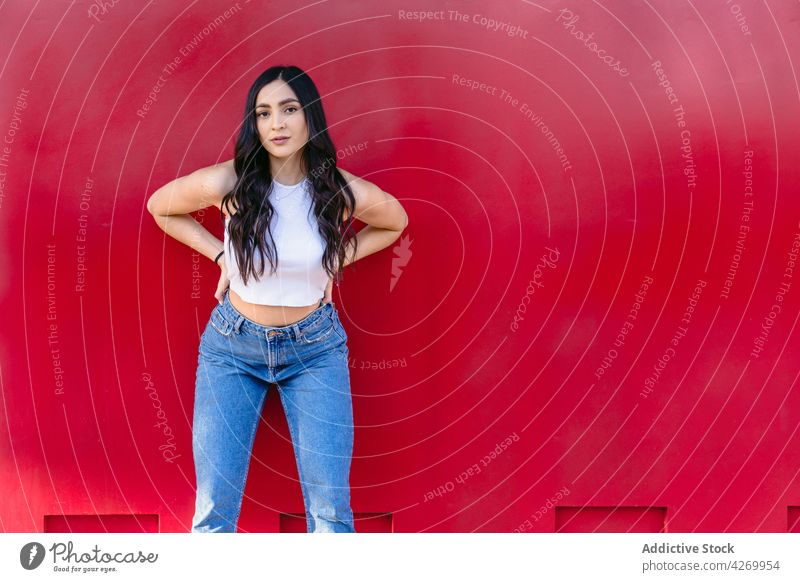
138, 523
610, 519
793, 516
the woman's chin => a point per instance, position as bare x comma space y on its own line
280, 154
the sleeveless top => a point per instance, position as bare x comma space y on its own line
299, 279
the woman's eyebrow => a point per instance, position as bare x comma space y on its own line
287, 100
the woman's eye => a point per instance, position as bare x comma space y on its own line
287, 110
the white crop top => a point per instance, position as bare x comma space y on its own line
299, 279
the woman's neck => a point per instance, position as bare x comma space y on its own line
286, 172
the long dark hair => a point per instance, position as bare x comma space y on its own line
251, 195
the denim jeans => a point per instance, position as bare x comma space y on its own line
307, 360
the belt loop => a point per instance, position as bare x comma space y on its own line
238, 323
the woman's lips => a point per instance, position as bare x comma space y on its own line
280, 141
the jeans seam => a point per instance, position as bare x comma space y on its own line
251, 442
303, 491
338, 327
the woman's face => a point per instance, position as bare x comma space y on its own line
279, 114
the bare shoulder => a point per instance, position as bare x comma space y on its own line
354, 181
191, 192
374, 206
362, 190
217, 180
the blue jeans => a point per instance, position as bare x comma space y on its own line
237, 361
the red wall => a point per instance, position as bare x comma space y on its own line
480, 394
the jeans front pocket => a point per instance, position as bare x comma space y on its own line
318, 331
220, 323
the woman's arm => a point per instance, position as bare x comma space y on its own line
384, 215
171, 204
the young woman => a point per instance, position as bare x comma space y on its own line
287, 210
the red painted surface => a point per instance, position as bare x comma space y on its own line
476, 351
610, 519
101, 523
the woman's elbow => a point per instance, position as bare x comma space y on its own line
405, 222
152, 203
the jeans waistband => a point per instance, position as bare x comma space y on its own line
241, 323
